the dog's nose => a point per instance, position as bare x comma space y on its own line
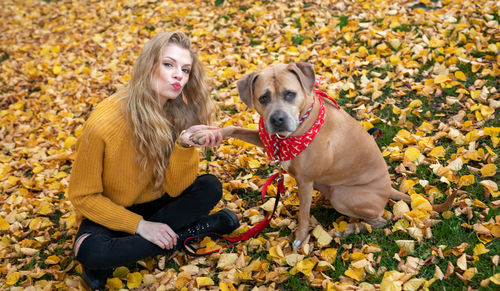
278, 119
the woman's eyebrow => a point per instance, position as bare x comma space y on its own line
174, 60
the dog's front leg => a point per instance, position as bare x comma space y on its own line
305, 197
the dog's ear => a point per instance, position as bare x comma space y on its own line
245, 88
305, 73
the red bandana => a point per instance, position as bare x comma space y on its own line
290, 147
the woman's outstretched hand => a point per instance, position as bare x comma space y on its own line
212, 137
158, 233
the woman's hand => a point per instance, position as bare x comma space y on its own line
158, 233
212, 137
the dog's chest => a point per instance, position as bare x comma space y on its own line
286, 164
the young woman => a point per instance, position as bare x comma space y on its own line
134, 183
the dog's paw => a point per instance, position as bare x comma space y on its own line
296, 244
199, 137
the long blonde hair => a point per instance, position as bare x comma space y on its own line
156, 128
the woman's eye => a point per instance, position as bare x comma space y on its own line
187, 71
167, 64
264, 99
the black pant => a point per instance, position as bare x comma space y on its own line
105, 248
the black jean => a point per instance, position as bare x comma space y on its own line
105, 248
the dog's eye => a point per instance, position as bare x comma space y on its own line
290, 95
264, 99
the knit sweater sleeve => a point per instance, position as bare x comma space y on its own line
182, 170
86, 187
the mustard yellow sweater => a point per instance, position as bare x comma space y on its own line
106, 178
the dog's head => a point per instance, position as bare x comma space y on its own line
279, 94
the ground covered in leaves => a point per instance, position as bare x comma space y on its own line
425, 72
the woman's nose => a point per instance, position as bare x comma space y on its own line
177, 73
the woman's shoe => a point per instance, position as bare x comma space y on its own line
96, 279
222, 222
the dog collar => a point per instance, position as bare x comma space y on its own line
284, 149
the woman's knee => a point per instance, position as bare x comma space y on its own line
92, 252
210, 186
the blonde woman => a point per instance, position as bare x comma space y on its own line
134, 183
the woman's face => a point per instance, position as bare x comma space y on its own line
173, 72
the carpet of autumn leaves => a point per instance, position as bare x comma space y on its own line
426, 72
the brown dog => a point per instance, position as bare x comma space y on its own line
343, 161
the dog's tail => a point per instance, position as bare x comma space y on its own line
396, 195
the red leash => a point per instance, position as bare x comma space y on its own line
251, 232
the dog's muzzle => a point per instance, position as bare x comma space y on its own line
279, 122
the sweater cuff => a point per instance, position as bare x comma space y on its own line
132, 222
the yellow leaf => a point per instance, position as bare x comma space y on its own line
437, 152
492, 131
115, 283
400, 208
495, 278
408, 245
293, 259
126, 78
415, 103
462, 262
358, 256
276, 252
479, 249
52, 260
12, 278
469, 274
401, 224
488, 170
495, 230
12, 180
45, 209
56, 70
69, 142
71, 221
134, 280
226, 286
475, 93
355, 273
412, 154
322, 236
340, 227
292, 51
121, 272
4, 224
413, 284
306, 266
460, 76
447, 214
204, 281
394, 60
415, 233
329, 255
419, 202
406, 185
441, 79
389, 283
466, 180
37, 169
227, 260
